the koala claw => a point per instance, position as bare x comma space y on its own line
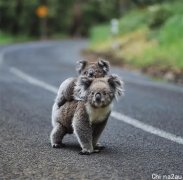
96, 151
58, 145
59, 104
99, 147
84, 153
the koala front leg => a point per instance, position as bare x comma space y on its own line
57, 135
97, 130
83, 132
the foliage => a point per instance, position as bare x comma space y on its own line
6, 38
148, 37
159, 18
73, 17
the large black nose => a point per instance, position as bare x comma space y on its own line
98, 97
90, 73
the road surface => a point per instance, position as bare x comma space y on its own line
143, 138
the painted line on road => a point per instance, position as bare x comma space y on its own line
32, 80
148, 128
118, 116
1, 58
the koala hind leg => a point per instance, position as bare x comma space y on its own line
56, 136
83, 132
65, 92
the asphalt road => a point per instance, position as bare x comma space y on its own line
143, 138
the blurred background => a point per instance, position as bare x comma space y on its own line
137, 34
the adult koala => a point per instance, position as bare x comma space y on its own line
87, 115
85, 68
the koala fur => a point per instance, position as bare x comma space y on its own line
88, 115
88, 69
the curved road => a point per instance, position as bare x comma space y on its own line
143, 139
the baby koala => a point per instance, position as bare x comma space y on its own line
88, 113
88, 69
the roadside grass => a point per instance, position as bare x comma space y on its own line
6, 38
147, 37
99, 34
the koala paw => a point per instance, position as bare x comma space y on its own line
84, 153
58, 145
59, 104
96, 151
99, 147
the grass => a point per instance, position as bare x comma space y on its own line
100, 33
147, 37
6, 38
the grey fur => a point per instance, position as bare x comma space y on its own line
87, 117
97, 130
87, 69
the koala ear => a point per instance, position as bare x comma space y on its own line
81, 65
80, 89
116, 84
104, 65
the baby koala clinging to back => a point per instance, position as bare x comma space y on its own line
87, 69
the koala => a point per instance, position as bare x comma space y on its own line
87, 114
88, 69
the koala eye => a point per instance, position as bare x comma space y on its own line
92, 93
104, 93
85, 73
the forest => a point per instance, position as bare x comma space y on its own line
72, 18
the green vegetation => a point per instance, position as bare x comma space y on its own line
8, 38
21, 18
47, 19
148, 37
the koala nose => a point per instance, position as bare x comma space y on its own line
91, 73
98, 97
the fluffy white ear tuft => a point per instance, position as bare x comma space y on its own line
104, 65
81, 65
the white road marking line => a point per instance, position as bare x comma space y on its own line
147, 128
1, 58
118, 116
33, 81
